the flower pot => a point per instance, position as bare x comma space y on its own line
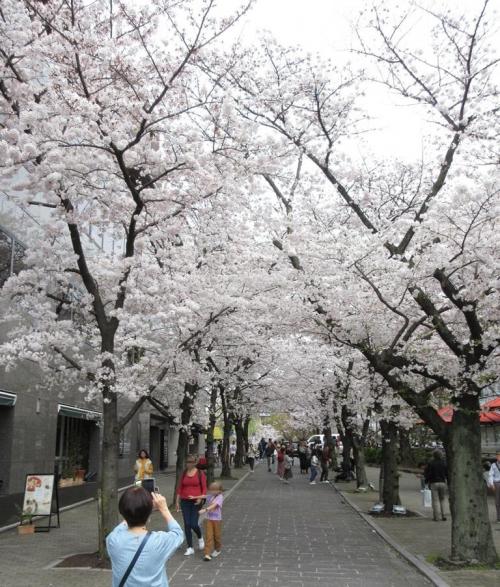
26, 529
79, 475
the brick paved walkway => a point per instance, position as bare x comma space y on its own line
294, 535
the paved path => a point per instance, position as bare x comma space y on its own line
294, 535
421, 536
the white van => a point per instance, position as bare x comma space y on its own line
319, 439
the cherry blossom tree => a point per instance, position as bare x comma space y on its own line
105, 111
401, 265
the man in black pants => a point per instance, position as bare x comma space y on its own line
269, 454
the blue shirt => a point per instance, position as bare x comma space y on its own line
149, 570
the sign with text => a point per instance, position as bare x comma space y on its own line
38, 493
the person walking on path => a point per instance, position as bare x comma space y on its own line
494, 482
192, 489
232, 453
303, 457
280, 469
287, 475
269, 454
251, 454
132, 537
213, 522
436, 477
314, 468
325, 463
262, 448
143, 466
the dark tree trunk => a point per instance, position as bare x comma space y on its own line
226, 467
390, 492
330, 442
346, 451
240, 442
246, 426
212, 420
190, 391
360, 462
108, 489
471, 536
180, 463
405, 452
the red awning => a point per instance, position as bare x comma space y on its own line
486, 417
493, 404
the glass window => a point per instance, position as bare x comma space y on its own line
5, 257
11, 256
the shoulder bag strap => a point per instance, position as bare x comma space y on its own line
134, 560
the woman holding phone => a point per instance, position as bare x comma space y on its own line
192, 488
138, 556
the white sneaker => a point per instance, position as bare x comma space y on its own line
215, 553
201, 543
189, 551
312, 483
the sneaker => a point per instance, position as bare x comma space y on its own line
312, 483
207, 558
215, 553
201, 543
189, 551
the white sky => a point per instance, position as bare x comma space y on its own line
325, 26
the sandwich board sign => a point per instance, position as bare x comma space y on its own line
39, 493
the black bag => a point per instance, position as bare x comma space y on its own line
134, 560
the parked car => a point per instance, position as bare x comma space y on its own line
318, 441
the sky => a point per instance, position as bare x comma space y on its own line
326, 27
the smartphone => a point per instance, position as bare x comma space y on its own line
149, 485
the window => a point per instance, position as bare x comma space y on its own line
11, 255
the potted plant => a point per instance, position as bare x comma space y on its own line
26, 526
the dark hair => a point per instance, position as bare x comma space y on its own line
136, 505
144, 451
438, 455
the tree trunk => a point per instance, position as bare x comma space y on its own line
471, 536
108, 489
327, 431
180, 463
359, 460
240, 443
405, 452
226, 467
246, 440
212, 420
346, 451
190, 390
390, 493
226, 434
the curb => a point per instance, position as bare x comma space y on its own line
229, 491
419, 564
